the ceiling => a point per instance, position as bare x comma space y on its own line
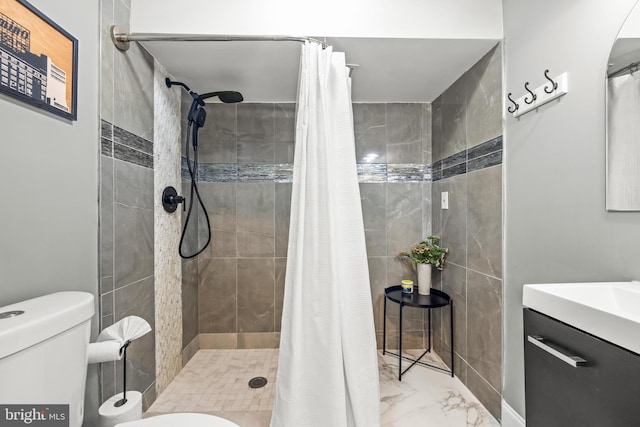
390, 70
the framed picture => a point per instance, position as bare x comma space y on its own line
38, 59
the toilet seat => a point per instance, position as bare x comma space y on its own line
180, 420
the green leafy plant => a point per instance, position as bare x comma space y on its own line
427, 251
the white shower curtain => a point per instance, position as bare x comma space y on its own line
328, 369
623, 143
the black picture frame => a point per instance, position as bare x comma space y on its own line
38, 60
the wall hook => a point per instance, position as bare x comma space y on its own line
533, 95
515, 105
554, 85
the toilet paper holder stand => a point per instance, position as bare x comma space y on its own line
123, 353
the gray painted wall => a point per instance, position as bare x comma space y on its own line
556, 226
50, 222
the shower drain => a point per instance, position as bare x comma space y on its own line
257, 382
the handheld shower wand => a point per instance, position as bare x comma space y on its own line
195, 120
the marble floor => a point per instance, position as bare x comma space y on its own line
216, 382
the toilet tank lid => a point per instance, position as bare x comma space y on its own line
43, 318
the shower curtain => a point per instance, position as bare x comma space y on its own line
623, 143
328, 369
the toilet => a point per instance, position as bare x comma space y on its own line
43, 360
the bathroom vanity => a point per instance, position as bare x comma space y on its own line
579, 369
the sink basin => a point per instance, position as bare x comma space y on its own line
608, 310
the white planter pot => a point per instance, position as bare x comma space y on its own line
424, 279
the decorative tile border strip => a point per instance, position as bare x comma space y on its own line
123, 145
475, 158
479, 157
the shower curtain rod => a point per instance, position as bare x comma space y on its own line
121, 39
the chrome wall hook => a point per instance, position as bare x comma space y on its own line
533, 95
515, 105
554, 85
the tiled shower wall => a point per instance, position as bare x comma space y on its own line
126, 202
467, 154
246, 156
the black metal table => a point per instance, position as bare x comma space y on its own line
436, 299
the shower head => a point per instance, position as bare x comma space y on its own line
226, 96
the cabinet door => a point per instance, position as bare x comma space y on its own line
605, 391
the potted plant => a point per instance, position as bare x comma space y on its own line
425, 254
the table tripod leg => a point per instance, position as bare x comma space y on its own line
400, 347
384, 328
452, 351
429, 330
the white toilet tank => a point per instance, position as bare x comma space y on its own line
43, 355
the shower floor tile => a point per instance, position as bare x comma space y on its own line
216, 382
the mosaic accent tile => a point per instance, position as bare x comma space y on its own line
405, 172
128, 154
124, 137
106, 130
454, 170
372, 172
106, 147
484, 155
489, 160
456, 159
485, 148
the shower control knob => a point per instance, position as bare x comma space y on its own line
170, 199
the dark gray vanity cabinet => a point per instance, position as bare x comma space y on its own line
602, 389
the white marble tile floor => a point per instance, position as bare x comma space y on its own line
216, 382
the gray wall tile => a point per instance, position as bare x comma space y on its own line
454, 220
484, 234
437, 137
217, 139
106, 218
427, 116
484, 321
256, 295
256, 122
280, 266
454, 134
256, 152
374, 214
378, 283
404, 216
486, 394
484, 98
220, 201
133, 244
282, 217
106, 60
217, 295
454, 283
133, 92
284, 123
133, 185
190, 317
255, 216
404, 133
369, 122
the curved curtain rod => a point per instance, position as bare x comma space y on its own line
631, 68
121, 39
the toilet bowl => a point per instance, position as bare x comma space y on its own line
180, 419
43, 360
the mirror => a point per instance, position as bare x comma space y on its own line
623, 118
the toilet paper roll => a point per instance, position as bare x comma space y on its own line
105, 351
109, 415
